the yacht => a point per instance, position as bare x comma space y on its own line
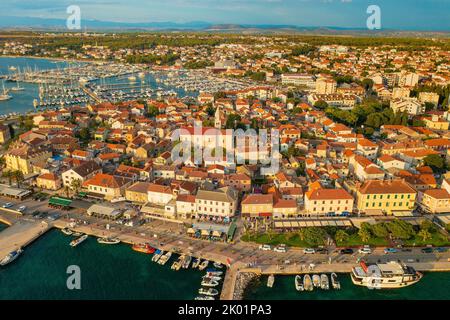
335, 282
391, 275
307, 283
217, 265
166, 257
206, 282
324, 283
79, 240
10, 257
108, 240
208, 292
205, 298
316, 280
186, 262
271, 281
157, 255
196, 263
202, 266
67, 231
213, 273
215, 278
298, 283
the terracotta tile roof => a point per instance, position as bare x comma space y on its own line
384, 187
328, 194
258, 199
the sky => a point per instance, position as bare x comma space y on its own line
395, 14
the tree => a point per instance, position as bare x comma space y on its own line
401, 229
364, 234
152, 111
424, 235
8, 174
211, 111
67, 191
379, 230
435, 161
75, 185
341, 236
321, 104
18, 176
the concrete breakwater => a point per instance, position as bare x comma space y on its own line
243, 279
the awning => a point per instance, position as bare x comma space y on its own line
216, 234
231, 231
191, 230
205, 233
265, 214
57, 201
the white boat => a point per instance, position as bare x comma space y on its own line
5, 96
196, 263
307, 283
215, 278
324, 283
79, 240
217, 265
141, 74
335, 282
298, 283
209, 283
157, 255
205, 298
108, 240
132, 78
316, 281
208, 292
17, 88
67, 231
213, 273
178, 263
186, 262
391, 275
10, 257
163, 260
77, 234
270, 281
202, 266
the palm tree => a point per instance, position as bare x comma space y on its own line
8, 174
364, 235
424, 234
67, 191
76, 185
301, 234
18, 176
341, 236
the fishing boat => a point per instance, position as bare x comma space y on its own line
202, 266
144, 248
10, 257
335, 282
166, 257
209, 283
208, 292
270, 281
316, 280
196, 263
186, 262
211, 272
217, 265
324, 283
391, 275
79, 240
205, 298
17, 88
108, 240
178, 263
298, 283
307, 283
67, 231
157, 255
215, 278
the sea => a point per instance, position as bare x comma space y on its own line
117, 272
22, 101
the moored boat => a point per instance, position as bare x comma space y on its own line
298, 283
166, 257
215, 278
307, 283
196, 263
209, 283
203, 265
10, 257
186, 262
144, 248
67, 231
324, 283
217, 265
108, 240
316, 281
208, 292
335, 282
78, 241
205, 298
157, 255
214, 272
270, 281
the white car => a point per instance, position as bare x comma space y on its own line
280, 248
365, 250
22, 208
265, 247
8, 205
309, 251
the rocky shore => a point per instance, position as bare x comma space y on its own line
243, 279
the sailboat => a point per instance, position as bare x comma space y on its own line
5, 95
17, 88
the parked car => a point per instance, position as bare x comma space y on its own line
346, 251
280, 248
427, 250
441, 250
390, 250
22, 208
322, 251
309, 251
8, 205
265, 247
365, 250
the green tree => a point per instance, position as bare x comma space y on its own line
379, 230
341, 236
401, 229
424, 235
435, 161
18, 176
321, 104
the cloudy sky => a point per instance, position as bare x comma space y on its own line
399, 14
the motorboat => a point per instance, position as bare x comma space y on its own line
157, 255
214, 272
10, 257
208, 292
166, 257
316, 281
67, 231
215, 278
203, 265
79, 240
196, 263
144, 248
270, 281
210, 298
307, 283
186, 262
209, 283
335, 282
217, 265
298, 283
108, 240
324, 282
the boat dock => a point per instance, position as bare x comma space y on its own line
20, 233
